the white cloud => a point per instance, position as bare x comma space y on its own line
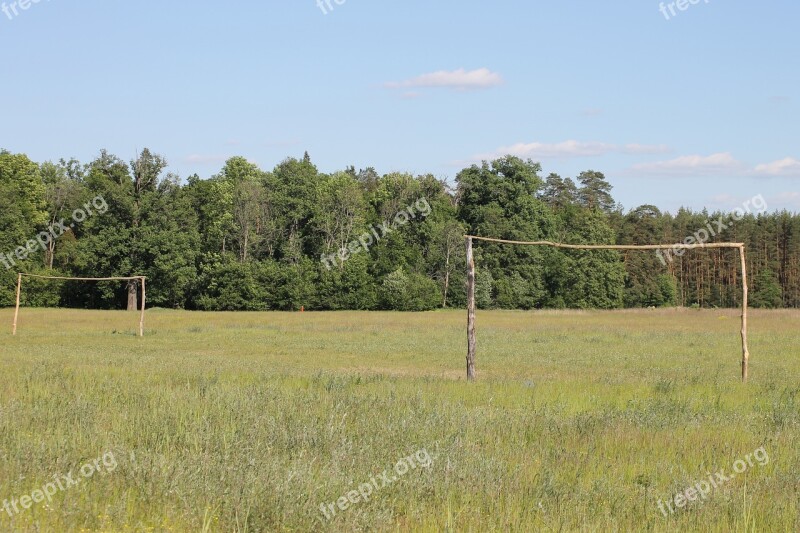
720, 164
460, 79
556, 150
571, 149
789, 167
693, 165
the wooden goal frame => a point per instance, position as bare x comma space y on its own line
472, 343
20, 275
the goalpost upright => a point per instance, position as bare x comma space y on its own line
142, 279
471, 336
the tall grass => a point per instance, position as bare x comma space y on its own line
580, 421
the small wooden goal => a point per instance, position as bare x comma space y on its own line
23, 274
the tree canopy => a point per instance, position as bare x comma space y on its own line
253, 239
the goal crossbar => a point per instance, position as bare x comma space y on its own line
471, 336
20, 275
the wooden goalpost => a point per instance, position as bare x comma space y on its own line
19, 290
472, 342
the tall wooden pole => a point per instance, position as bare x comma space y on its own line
16, 311
141, 317
745, 352
472, 342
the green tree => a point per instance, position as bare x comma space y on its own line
245, 181
587, 279
595, 191
296, 186
559, 193
500, 199
401, 291
766, 291
339, 212
64, 191
349, 286
644, 286
23, 213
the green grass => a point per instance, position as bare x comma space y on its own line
579, 421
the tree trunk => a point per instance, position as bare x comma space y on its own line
446, 286
133, 303
51, 253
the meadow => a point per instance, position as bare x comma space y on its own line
579, 420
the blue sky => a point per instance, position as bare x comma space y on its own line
695, 109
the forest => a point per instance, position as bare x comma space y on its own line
247, 239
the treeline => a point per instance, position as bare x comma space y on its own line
249, 239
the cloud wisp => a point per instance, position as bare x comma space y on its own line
789, 167
459, 80
571, 149
719, 164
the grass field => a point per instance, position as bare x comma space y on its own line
579, 421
